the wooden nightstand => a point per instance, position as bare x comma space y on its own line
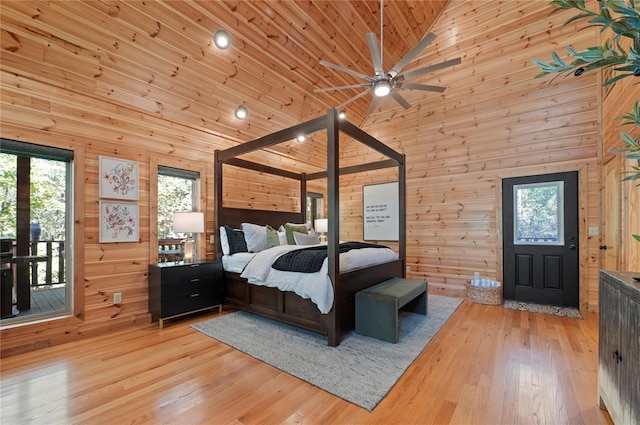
176, 289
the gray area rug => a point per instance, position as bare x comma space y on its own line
360, 370
573, 313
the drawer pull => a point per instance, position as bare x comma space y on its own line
195, 265
195, 280
195, 295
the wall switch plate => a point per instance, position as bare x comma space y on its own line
117, 298
593, 231
476, 275
408, 269
212, 239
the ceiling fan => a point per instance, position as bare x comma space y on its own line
384, 83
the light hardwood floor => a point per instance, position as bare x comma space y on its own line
487, 365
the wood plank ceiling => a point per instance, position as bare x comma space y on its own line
159, 57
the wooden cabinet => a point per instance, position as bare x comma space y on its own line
176, 289
619, 352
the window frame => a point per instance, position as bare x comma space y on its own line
200, 203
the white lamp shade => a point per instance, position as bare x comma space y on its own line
188, 222
321, 225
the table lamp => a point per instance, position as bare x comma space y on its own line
189, 223
321, 226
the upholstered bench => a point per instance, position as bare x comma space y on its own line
377, 307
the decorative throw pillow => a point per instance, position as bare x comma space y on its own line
236, 240
289, 228
272, 237
305, 239
224, 243
255, 236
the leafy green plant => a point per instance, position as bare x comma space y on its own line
622, 17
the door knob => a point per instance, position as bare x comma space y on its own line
572, 246
603, 247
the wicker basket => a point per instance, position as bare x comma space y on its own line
491, 295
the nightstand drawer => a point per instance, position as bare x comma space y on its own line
188, 272
182, 305
186, 288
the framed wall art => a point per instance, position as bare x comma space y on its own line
119, 222
118, 178
380, 204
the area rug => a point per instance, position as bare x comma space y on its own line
360, 370
573, 313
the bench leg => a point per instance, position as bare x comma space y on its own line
377, 317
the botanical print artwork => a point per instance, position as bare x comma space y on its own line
118, 222
118, 178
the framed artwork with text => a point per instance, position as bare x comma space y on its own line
380, 204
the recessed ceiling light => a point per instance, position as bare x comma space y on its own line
300, 138
241, 112
342, 115
221, 39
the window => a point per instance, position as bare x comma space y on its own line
35, 231
538, 214
177, 192
315, 208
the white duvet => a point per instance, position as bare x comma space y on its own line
314, 286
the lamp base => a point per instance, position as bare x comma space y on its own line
189, 251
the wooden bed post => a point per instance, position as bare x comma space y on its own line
402, 203
333, 234
217, 194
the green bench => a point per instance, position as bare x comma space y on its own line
377, 307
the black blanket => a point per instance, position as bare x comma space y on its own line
309, 260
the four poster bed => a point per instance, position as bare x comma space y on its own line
286, 305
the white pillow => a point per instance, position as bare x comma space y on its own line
224, 243
256, 237
282, 236
305, 239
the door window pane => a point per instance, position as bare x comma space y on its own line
538, 214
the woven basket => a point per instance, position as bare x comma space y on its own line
491, 295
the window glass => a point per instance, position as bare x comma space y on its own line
35, 232
538, 214
175, 194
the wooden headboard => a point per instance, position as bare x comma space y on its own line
235, 216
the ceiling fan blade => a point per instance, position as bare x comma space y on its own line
375, 53
351, 86
356, 97
400, 99
426, 40
426, 87
374, 105
431, 68
347, 70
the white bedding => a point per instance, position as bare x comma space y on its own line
314, 286
235, 263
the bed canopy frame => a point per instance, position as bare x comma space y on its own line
340, 319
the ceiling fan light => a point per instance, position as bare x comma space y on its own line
241, 112
381, 88
221, 39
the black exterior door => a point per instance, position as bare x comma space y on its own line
540, 244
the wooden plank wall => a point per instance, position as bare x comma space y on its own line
494, 121
619, 101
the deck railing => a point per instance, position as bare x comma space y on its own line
46, 262
169, 250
